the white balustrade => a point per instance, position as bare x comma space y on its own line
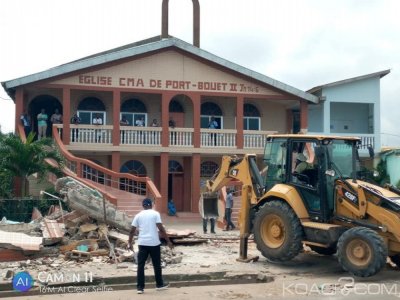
182, 137
130, 135
218, 138
91, 134
255, 138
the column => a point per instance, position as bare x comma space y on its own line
289, 121
115, 166
303, 116
195, 182
165, 98
116, 111
163, 206
19, 107
196, 100
187, 183
239, 122
66, 103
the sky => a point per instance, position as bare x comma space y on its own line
303, 43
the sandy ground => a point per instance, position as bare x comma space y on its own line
309, 274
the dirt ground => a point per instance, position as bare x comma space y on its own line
218, 254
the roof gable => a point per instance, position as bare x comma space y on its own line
147, 46
379, 74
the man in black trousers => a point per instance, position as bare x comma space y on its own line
147, 222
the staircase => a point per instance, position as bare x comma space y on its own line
124, 190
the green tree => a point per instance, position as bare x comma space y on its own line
20, 160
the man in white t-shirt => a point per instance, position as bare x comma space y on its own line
97, 120
148, 222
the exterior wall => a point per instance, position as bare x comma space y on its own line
316, 117
343, 114
357, 102
273, 116
170, 70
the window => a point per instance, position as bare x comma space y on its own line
208, 169
251, 120
174, 167
133, 110
89, 107
134, 167
88, 116
208, 110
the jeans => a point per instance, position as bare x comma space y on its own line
155, 254
228, 218
212, 222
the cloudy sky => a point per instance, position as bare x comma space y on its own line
303, 43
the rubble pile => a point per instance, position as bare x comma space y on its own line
62, 238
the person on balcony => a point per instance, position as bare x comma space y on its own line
213, 125
98, 121
56, 118
140, 123
154, 123
42, 124
123, 122
26, 122
171, 124
75, 120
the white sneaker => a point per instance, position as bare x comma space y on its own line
163, 287
140, 291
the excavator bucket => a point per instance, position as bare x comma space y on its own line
208, 205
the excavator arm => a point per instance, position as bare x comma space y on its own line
245, 170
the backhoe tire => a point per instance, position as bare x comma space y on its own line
396, 260
324, 251
277, 231
362, 252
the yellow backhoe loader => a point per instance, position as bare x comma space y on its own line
310, 194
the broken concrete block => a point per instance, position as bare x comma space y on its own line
87, 227
79, 255
72, 245
93, 235
9, 274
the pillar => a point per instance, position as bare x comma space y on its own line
187, 184
66, 103
195, 182
165, 98
19, 107
163, 206
115, 166
303, 116
164, 19
196, 23
239, 122
196, 120
116, 137
289, 121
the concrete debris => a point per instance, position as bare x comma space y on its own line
91, 202
9, 274
87, 227
52, 231
36, 214
14, 240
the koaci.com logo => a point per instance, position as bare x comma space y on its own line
22, 281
